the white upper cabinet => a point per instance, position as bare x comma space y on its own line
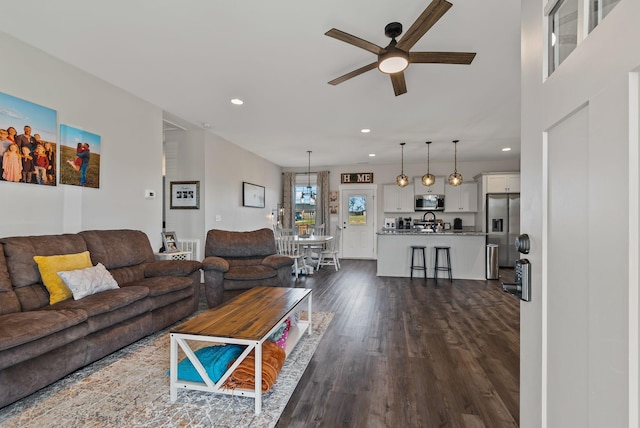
436, 189
508, 183
398, 199
461, 199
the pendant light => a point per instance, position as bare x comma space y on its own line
455, 179
312, 196
402, 180
428, 179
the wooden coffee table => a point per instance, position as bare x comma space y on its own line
249, 320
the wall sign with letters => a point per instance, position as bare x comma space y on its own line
356, 177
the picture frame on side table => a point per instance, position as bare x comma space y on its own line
185, 195
252, 195
170, 242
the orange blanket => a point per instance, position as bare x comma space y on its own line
244, 375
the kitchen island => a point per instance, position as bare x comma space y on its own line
467, 253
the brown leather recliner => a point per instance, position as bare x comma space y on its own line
242, 260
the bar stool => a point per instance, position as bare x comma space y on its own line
419, 248
446, 268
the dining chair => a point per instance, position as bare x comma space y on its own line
329, 257
288, 246
313, 251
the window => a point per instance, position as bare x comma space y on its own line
358, 210
563, 32
305, 204
598, 9
567, 21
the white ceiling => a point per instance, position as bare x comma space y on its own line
191, 57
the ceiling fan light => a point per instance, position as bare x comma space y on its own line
392, 62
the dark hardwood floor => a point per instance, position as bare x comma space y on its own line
405, 353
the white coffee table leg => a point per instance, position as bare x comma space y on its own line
258, 379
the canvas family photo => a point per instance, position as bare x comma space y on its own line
27, 142
79, 157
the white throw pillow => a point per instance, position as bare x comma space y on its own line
88, 281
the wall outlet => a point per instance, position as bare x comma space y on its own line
218, 217
150, 194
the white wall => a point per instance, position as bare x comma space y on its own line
226, 167
131, 150
601, 387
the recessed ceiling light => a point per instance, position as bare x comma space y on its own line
371, 155
506, 149
365, 130
237, 101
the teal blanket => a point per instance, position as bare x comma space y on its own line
215, 360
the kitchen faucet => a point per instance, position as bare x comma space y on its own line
429, 212
433, 225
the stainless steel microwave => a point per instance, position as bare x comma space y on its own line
429, 203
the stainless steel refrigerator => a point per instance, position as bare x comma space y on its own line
503, 225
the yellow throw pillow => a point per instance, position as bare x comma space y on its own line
49, 267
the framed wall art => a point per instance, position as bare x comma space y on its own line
252, 195
185, 195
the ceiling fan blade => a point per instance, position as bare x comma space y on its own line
355, 41
441, 57
399, 84
354, 73
425, 21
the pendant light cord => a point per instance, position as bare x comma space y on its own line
455, 156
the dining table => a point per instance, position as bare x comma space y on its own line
305, 244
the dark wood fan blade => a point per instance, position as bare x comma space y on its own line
441, 57
354, 73
425, 21
355, 41
398, 82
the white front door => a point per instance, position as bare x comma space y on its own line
579, 362
358, 211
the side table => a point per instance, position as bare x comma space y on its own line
175, 255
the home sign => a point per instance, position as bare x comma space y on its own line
357, 178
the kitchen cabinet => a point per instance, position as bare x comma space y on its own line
398, 199
436, 189
508, 183
461, 199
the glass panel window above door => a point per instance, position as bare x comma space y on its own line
358, 210
563, 32
598, 9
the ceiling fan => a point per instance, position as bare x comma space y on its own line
396, 57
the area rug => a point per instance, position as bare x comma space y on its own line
130, 388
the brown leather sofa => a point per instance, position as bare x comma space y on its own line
41, 342
242, 260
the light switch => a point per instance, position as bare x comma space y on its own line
149, 194
218, 217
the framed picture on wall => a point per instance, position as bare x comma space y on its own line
185, 195
252, 195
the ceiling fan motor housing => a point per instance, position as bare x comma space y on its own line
393, 30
